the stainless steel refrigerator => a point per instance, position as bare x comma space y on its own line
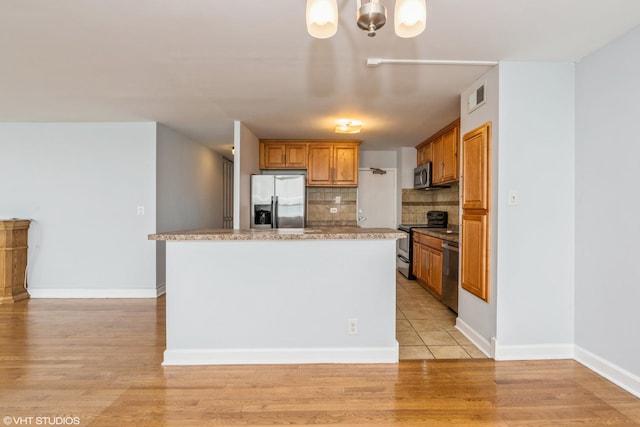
277, 201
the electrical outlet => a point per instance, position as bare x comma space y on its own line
352, 328
333, 210
338, 200
140, 210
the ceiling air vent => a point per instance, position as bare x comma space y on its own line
476, 98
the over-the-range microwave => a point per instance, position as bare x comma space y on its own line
422, 178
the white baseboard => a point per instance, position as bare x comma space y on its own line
620, 377
280, 356
608, 370
95, 293
161, 290
477, 339
533, 352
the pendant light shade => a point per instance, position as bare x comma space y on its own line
322, 18
410, 17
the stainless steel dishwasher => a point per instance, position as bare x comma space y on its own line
450, 252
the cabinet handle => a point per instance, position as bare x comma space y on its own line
441, 170
284, 159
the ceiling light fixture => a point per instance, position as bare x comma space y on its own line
410, 17
348, 126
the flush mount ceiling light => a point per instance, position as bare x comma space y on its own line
410, 17
348, 126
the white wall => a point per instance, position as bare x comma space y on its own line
189, 188
407, 161
607, 206
246, 163
535, 251
378, 159
189, 183
476, 317
81, 184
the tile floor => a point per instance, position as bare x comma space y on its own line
425, 328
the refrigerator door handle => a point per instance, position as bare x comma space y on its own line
274, 211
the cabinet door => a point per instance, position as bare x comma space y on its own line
428, 153
272, 156
319, 167
425, 266
449, 152
475, 254
475, 167
345, 165
437, 167
415, 261
420, 158
435, 271
295, 156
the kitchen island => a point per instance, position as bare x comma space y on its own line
323, 295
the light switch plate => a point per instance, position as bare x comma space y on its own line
513, 198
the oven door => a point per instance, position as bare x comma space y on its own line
402, 260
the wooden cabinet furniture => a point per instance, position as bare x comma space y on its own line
13, 260
427, 262
329, 163
277, 154
333, 164
441, 149
476, 194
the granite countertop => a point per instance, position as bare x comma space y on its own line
338, 233
440, 233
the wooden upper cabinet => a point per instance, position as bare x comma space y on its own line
441, 149
449, 155
345, 164
425, 154
283, 154
319, 170
333, 164
475, 184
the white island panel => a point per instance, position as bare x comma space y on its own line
283, 301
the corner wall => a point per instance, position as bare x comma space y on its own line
246, 163
477, 318
535, 252
607, 227
81, 184
189, 189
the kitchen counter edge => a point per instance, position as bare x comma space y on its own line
434, 232
342, 233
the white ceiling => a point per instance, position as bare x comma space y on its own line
197, 65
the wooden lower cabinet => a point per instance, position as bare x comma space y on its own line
475, 254
427, 262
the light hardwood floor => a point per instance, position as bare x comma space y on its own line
99, 361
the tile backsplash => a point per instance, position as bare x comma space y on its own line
320, 201
416, 203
